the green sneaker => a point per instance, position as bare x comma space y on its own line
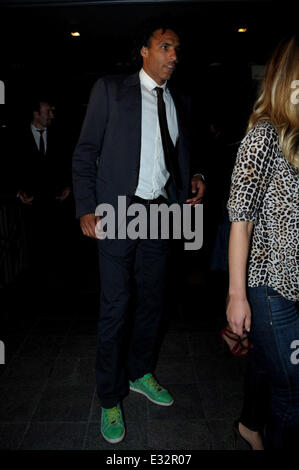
148, 386
112, 424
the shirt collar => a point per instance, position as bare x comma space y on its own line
149, 83
36, 129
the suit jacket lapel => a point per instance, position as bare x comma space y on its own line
130, 96
179, 110
130, 103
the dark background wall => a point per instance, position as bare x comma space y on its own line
37, 51
38, 55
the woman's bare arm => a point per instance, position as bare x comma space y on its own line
238, 310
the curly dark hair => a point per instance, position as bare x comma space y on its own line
146, 32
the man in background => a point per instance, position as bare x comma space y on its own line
43, 169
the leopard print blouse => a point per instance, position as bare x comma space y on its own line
265, 190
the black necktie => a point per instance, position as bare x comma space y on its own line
41, 142
170, 155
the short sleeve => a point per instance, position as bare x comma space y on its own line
252, 172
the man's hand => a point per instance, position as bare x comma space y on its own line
198, 187
25, 199
65, 193
88, 225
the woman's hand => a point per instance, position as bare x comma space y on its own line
238, 314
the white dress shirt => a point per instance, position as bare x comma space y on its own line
37, 135
153, 175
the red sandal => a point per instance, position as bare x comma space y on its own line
238, 349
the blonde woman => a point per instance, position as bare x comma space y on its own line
264, 255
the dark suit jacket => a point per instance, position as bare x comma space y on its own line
42, 177
107, 157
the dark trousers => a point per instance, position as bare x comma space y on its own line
48, 224
272, 380
132, 274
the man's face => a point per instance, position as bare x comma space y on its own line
160, 58
45, 115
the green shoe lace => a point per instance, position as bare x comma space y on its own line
151, 382
113, 415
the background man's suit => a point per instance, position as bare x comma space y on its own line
47, 220
43, 177
105, 165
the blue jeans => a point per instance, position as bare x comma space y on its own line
274, 358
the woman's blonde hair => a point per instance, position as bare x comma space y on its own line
276, 101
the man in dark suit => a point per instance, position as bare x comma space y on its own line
43, 167
44, 193
134, 142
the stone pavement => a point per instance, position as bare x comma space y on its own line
47, 386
